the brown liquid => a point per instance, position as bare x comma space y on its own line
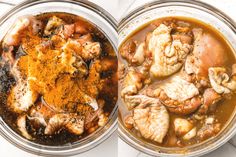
224, 109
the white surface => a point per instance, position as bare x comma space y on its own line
227, 150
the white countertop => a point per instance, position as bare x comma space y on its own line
114, 147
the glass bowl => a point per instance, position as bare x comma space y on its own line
107, 25
193, 9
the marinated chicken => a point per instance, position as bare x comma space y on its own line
150, 117
177, 82
200, 61
168, 52
60, 85
178, 95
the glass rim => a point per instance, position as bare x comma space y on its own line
193, 3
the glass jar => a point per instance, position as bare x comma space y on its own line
193, 9
107, 25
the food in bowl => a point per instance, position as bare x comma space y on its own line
58, 78
177, 82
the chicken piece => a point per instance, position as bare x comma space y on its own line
67, 31
20, 68
72, 122
132, 83
61, 29
209, 129
43, 46
90, 50
97, 114
133, 53
21, 97
168, 55
210, 98
129, 121
184, 38
72, 46
58, 42
53, 24
139, 55
7, 54
82, 27
21, 124
184, 108
121, 70
220, 80
151, 118
102, 119
191, 134
132, 101
180, 89
39, 115
75, 64
191, 64
13, 37
37, 25
182, 126
91, 101
85, 38
127, 50
207, 52
178, 95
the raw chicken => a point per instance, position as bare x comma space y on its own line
221, 81
182, 126
14, 35
67, 31
210, 98
21, 123
207, 52
132, 83
21, 96
178, 95
71, 121
128, 50
53, 23
88, 50
168, 54
180, 89
150, 118
139, 55
54, 119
